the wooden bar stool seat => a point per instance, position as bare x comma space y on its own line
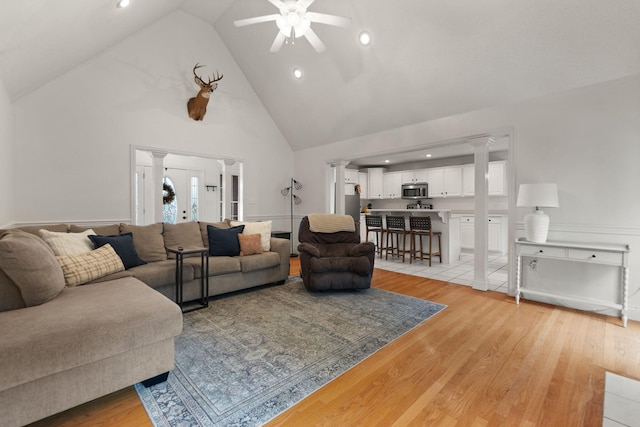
373, 224
420, 226
396, 227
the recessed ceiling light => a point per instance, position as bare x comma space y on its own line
123, 3
428, 155
297, 73
387, 161
364, 38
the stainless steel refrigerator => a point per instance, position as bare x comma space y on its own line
352, 206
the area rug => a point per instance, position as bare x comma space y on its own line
252, 355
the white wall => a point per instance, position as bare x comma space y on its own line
6, 159
73, 136
586, 140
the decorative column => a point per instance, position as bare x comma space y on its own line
340, 167
157, 176
481, 221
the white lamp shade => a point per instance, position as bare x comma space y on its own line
538, 195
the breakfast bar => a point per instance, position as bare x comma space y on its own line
441, 220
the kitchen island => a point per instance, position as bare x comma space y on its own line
441, 220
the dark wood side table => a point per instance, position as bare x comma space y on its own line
204, 277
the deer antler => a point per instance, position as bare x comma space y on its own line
217, 77
194, 72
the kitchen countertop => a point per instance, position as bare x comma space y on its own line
409, 210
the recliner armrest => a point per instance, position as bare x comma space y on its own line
364, 248
310, 249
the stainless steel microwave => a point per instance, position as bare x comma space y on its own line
418, 190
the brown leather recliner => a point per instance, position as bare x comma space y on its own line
334, 260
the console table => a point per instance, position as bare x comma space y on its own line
608, 254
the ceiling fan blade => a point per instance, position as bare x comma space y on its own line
305, 3
315, 41
277, 3
256, 20
323, 18
277, 42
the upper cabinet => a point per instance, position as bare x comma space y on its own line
392, 185
445, 182
497, 179
364, 187
350, 176
412, 177
375, 181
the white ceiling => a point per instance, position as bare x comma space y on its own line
429, 58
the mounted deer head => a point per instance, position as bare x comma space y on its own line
197, 106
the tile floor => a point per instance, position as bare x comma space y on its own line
459, 271
621, 401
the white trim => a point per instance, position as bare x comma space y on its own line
82, 223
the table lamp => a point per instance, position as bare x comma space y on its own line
536, 223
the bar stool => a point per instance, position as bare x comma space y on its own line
396, 227
373, 224
421, 226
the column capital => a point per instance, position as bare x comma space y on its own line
158, 154
481, 141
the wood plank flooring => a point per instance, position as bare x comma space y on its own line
483, 361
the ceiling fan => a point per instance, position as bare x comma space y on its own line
294, 21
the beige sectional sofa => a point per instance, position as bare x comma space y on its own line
63, 345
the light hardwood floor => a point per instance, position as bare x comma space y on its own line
483, 361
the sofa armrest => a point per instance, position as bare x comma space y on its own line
310, 249
282, 247
364, 248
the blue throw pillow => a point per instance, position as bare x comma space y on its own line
123, 245
224, 241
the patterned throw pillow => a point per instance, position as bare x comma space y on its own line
68, 243
250, 244
260, 227
83, 268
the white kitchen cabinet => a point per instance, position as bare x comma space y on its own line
497, 184
413, 177
392, 185
497, 178
445, 182
466, 232
375, 180
364, 187
496, 233
350, 176
468, 180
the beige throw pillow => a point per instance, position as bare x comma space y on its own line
68, 243
263, 228
30, 263
83, 268
250, 244
148, 241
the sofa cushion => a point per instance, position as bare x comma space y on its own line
100, 230
68, 243
205, 234
259, 262
11, 298
218, 265
260, 227
83, 268
249, 244
30, 263
35, 229
161, 273
84, 324
224, 242
185, 234
148, 241
124, 247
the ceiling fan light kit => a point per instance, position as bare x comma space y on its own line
294, 21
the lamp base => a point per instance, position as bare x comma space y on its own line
536, 226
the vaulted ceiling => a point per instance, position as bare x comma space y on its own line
429, 58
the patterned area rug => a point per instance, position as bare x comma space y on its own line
252, 355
